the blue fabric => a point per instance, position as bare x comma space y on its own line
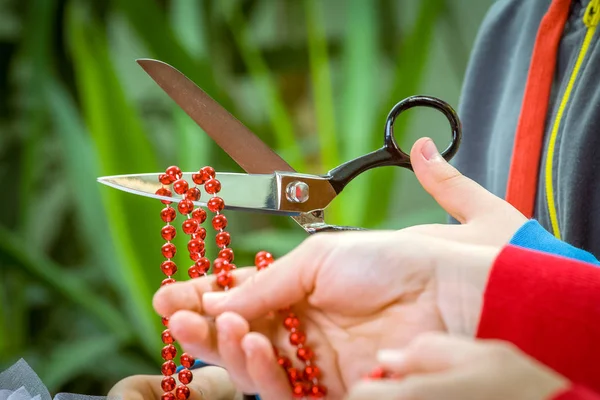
533, 236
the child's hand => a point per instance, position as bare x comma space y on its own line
437, 366
485, 219
209, 383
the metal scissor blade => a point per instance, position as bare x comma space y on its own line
246, 149
239, 191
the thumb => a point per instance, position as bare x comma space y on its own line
461, 197
286, 282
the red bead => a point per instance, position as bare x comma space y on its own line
168, 368
284, 362
291, 322
297, 338
166, 337
168, 232
377, 373
198, 178
189, 226
168, 268
180, 186
185, 206
294, 375
193, 194
168, 383
197, 256
167, 396
219, 222
263, 256
223, 239
168, 250
168, 352
167, 281
225, 279
208, 173
215, 204
185, 376
212, 186
182, 392
193, 272
195, 246
305, 353
226, 254
165, 321
174, 172
165, 179
312, 372
220, 264
300, 390
200, 215
203, 265
200, 234
166, 193
318, 391
186, 360
168, 214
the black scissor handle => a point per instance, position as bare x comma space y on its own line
391, 154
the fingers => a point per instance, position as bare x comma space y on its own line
461, 197
188, 295
208, 383
430, 352
231, 329
447, 386
196, 335
269, 379
287, 281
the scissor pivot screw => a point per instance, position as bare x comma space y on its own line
297, 192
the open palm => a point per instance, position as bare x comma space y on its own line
354, 293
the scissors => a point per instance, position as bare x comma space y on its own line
270, 184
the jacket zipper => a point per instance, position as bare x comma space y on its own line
591, 19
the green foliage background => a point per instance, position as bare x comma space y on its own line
315, 79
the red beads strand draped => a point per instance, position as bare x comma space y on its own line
304, 381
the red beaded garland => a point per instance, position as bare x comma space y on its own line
182, 392
180, 186
168, 214
223, 239
168, 232
167, 396
185, 206
168, 268
185, 376
304, 381
199, 215
168, 352
168, 250
187, 360
167, 281
166, 337
165, 321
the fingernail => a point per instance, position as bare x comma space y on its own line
429, 150
391, 356
212, 297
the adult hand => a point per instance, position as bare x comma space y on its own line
208, 383
441, 367
485, 219
354, 292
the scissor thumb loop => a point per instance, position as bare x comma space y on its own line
460, 196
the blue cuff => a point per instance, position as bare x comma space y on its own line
533, 236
